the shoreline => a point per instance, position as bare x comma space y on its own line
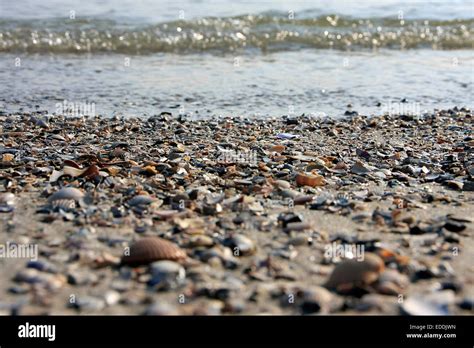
398, 189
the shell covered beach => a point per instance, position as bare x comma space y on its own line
287, 215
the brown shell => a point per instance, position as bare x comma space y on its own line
309, 180
150, 249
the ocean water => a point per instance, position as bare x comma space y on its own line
243, 58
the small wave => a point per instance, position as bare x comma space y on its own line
265, 32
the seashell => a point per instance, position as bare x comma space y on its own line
75, 172
352, 272
67, 193
454, 184
141, 200
7, 157
201, 241
309, 180
442, 298
417, 305
151, 249
113, 170
57, 137
282, 184
149, 170
360, 168
167, 214
287, 136
303, 199
277, 148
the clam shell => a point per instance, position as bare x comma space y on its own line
67, 193
353, 272
151, 249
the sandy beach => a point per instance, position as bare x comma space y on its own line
286, 215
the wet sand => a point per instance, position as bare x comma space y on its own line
255, 205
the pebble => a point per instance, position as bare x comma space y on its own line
418, 305
33, 276
240, 245
166, 274
112, 297
319, 300
297, 226
161, 308
7, 202
88, 303
351, 272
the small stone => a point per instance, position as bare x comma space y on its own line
166, 274
319, 300
240, 245
297, 226
161, 308
88, 303
352, 272
111, 297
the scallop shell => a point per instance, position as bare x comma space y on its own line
353, 272
67, 193
151, 249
